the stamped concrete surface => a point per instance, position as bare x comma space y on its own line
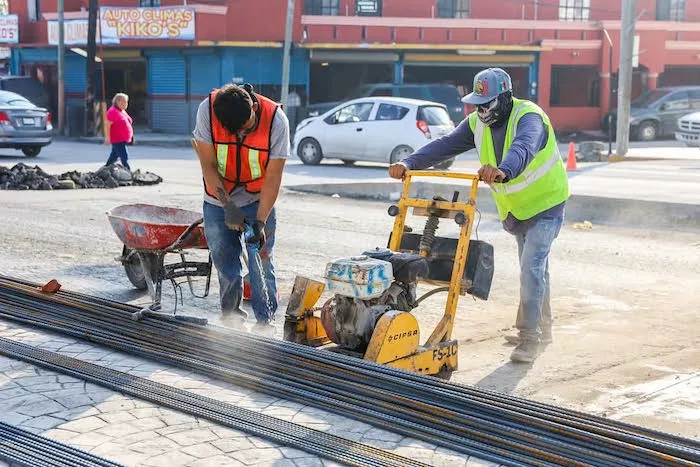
136, 432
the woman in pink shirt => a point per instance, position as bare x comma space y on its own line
119, 130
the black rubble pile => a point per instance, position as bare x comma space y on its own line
24, 177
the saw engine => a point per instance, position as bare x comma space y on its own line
365, 288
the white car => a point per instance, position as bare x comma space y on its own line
372, 129
689, 129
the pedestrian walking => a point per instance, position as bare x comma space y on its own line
119, 130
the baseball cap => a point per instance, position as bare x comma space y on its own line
488, 84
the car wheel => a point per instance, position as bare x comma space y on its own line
400, 152
309, 151
31, 151
444, 165
647, 131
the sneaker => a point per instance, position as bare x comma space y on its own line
545, 338
525, 352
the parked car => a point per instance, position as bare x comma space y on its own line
23, 125
689, 129
374, 129
655, 113
443, 93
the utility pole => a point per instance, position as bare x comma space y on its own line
287, 52
61, 67
610, 91
90, 69
624, 87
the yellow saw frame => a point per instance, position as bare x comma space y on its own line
395, 339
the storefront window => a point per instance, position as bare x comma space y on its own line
574, 86
670, 10
574, 10
453, 8
322, 7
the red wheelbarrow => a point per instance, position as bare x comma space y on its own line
149, 233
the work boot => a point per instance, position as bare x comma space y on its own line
525, 352
545, 338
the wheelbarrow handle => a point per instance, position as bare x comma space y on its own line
183, 236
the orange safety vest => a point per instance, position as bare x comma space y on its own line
244, 162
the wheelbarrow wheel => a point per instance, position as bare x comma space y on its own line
133, 269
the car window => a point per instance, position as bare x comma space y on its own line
10, 98
353, 113
411, 92
434, 115
648, 98
677, 101
695, 98
384, 92
444, 94
390, 112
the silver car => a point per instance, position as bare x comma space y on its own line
23, 125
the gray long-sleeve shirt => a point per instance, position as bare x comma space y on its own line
530, 138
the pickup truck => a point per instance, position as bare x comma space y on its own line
688, 130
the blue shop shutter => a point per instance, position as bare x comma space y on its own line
75, 75
166, 85
167, 75
205, 76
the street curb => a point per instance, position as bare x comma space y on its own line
596, 209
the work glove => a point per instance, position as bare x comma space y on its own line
234, 217
258, 237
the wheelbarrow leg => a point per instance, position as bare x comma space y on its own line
152, 265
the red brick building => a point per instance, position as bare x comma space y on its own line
555, 50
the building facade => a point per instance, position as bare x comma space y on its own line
168, 55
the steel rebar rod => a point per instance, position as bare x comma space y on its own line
490, 425
24, 448
307, 439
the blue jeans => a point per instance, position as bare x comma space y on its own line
226, 249
534, 310
119, 152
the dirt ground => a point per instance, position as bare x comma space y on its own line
625, 301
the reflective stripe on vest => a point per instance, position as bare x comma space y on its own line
530, 176
542, 185
222, 158
254, 162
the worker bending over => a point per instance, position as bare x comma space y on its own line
242, 141
521, 163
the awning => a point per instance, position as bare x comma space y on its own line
469, 59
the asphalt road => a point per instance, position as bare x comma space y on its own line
625, 338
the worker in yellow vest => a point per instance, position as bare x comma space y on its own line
520, 160
242, 141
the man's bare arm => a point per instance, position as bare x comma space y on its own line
210, 171
271, 188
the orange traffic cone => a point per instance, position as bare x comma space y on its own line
571, 158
